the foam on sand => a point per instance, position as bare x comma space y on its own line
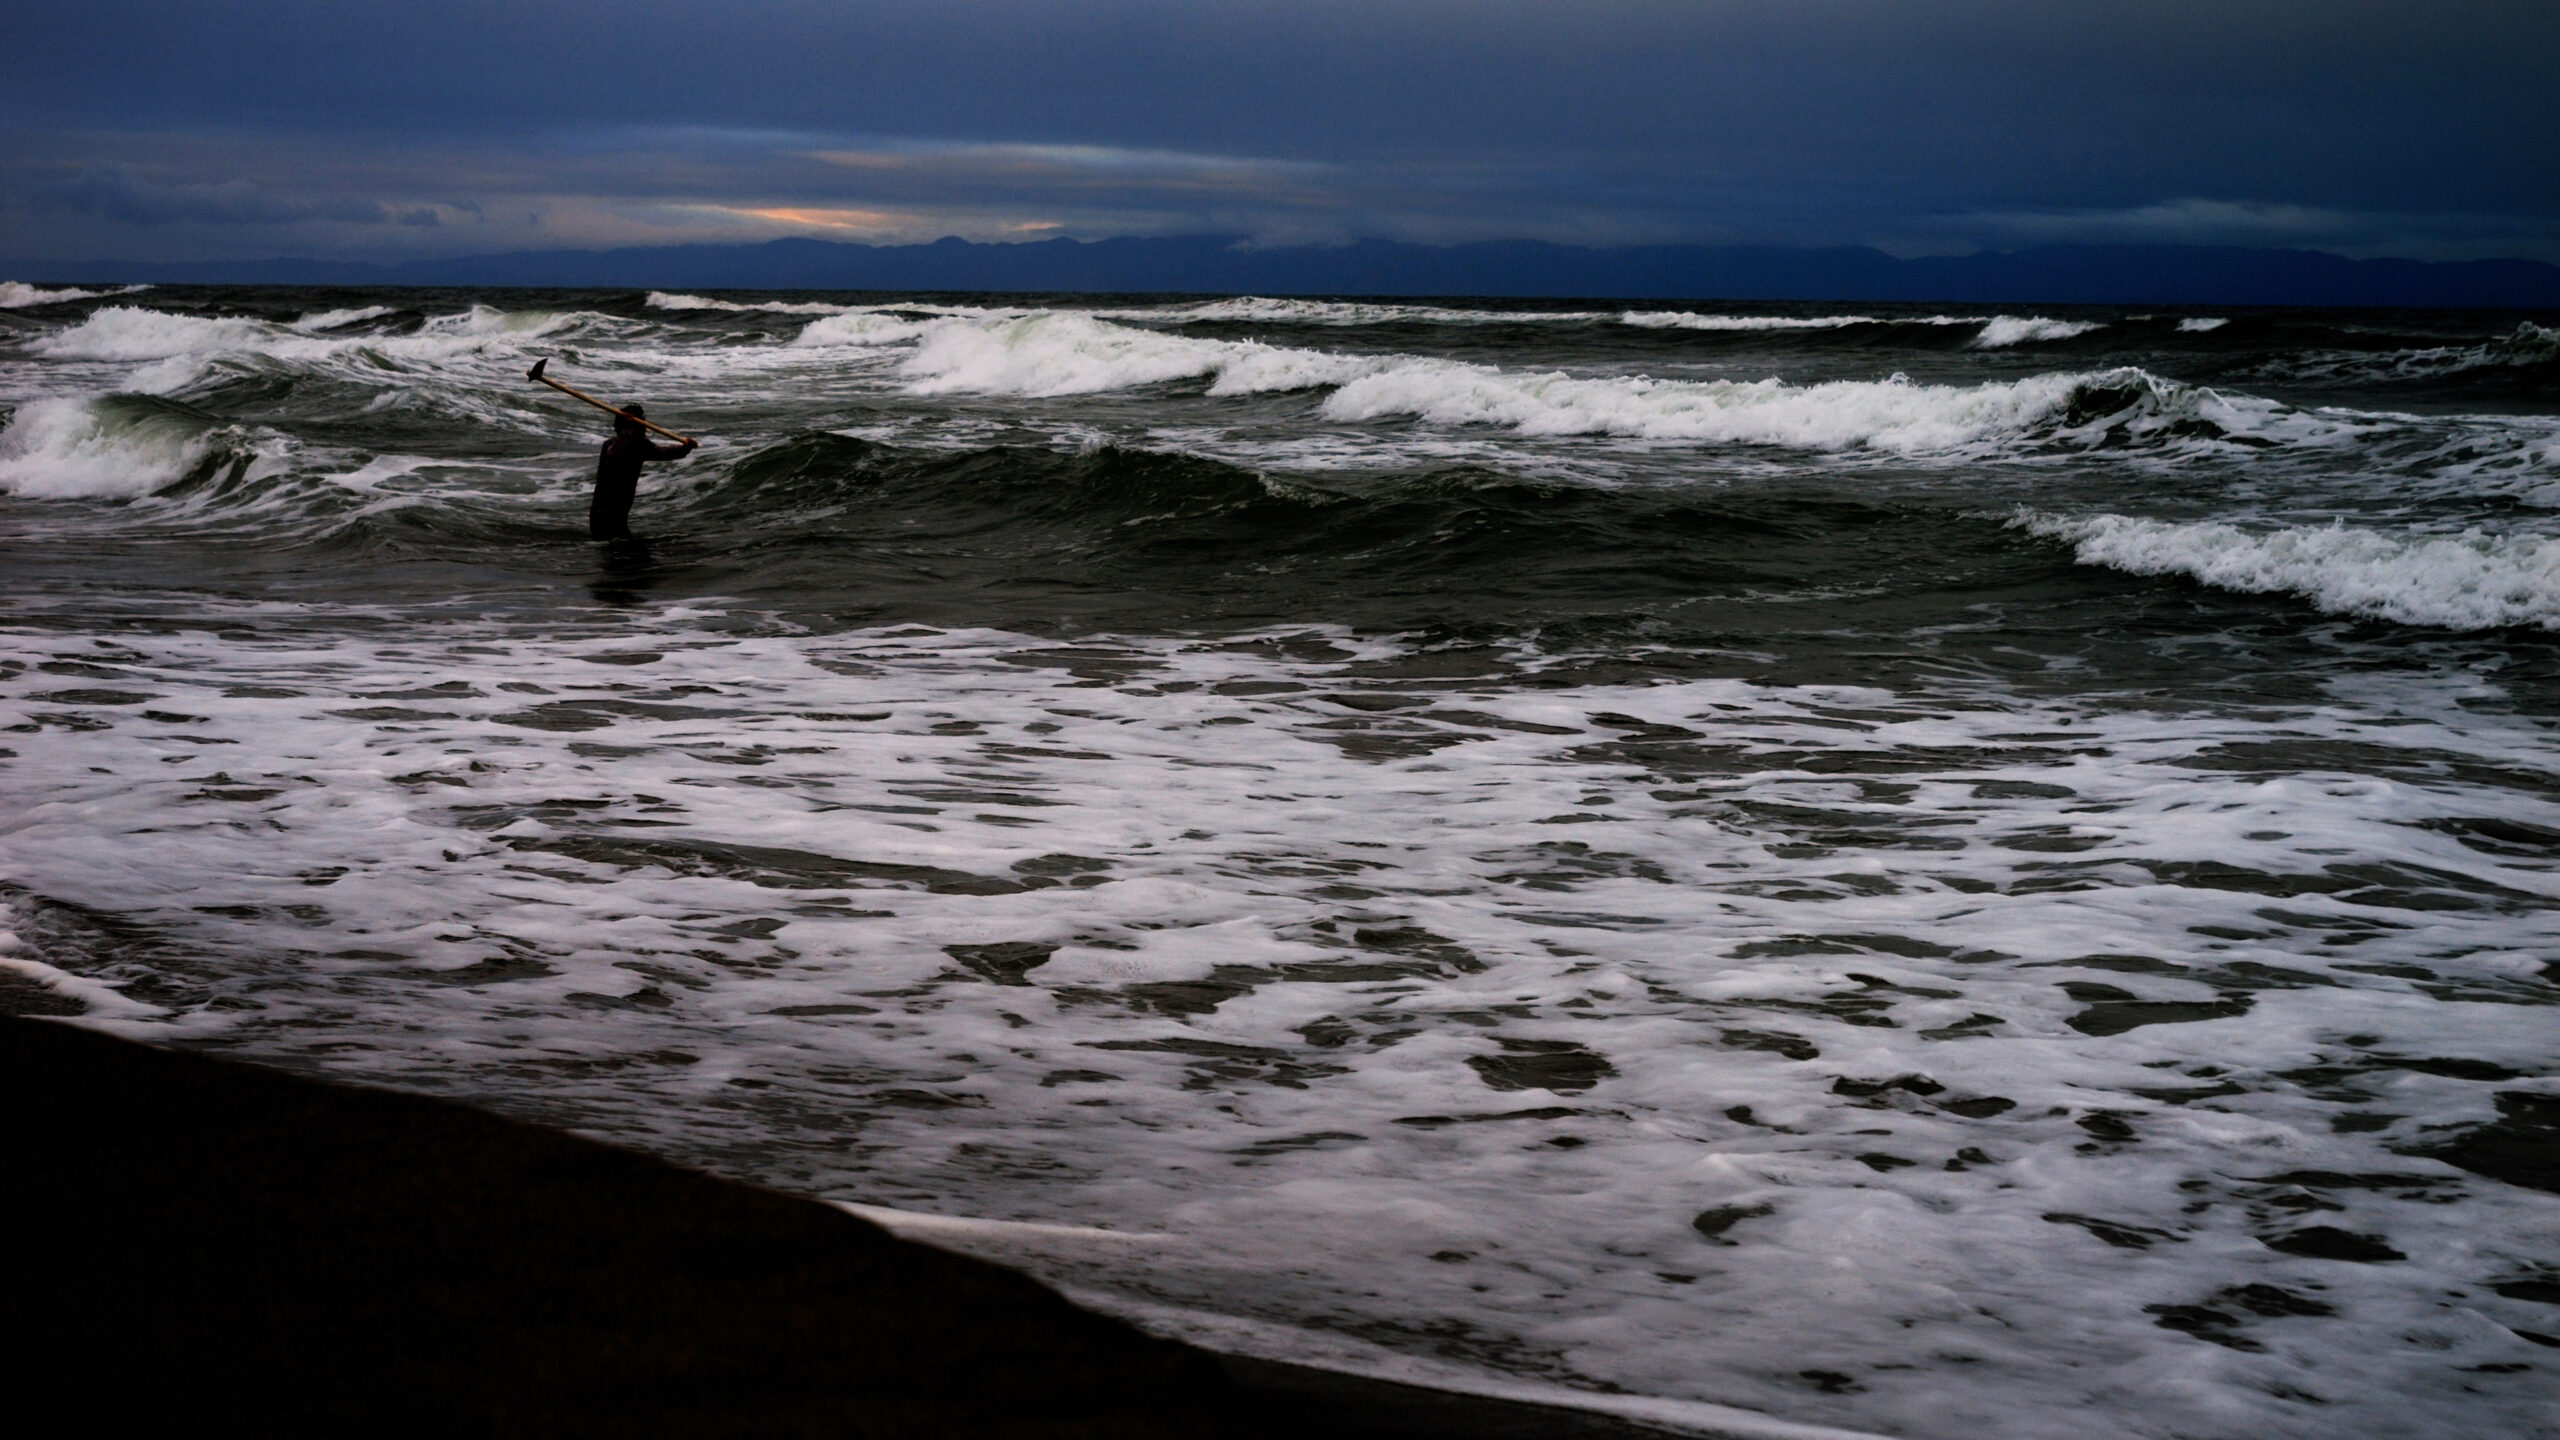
1700, 1091
91, 995
2466, 581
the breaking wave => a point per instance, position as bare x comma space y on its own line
1067, 353
338, 319
1686, 320
1047, 354
2127, 405
2530, 349
1998, 331
2002, 331
175, 349
130, 332
860, 327
115, 447
664, 300
17, 295
2471, 580
1286, 311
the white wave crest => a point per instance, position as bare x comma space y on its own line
1066, 353
180, 348
2201, 324
66, 449
1894, 415
488, 321
1042, 354
1691, 320
2466, 581
861, 327
2002, 331
131, 332
664, 300
1056, 353
2531, 344
17, 295
2528, 345
1685, 320
332, 319
1286, 311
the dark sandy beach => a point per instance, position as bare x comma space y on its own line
205, 1244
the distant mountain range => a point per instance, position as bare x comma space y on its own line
1214, 264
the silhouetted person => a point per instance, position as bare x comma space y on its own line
618, 474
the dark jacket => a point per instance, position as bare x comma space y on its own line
618, 480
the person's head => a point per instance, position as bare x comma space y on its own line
627, 422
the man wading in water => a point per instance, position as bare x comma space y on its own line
618, 473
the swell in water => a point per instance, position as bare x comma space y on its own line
183, 390
1925, 873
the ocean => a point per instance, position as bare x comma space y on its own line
1931, 872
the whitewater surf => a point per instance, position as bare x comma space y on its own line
1917, 870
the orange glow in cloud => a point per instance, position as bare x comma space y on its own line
884, 224
873, 220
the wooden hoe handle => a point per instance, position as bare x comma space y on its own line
536, 374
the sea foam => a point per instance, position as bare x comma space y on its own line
860, 327
1056, 353
132, 332
94, 997
175, 351
105, 449
17, 295
1291, 311
1893, 414
1680, 1090
2002, 331
664, 300
2528, 346
1065, 353
2466, 581
1690, 321
334, 319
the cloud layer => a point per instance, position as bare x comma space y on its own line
157, 130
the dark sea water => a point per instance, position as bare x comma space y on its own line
1942, 874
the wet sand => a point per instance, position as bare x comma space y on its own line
204, 1244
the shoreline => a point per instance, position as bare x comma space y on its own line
200, 1239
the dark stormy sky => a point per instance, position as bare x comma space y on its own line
176, 129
